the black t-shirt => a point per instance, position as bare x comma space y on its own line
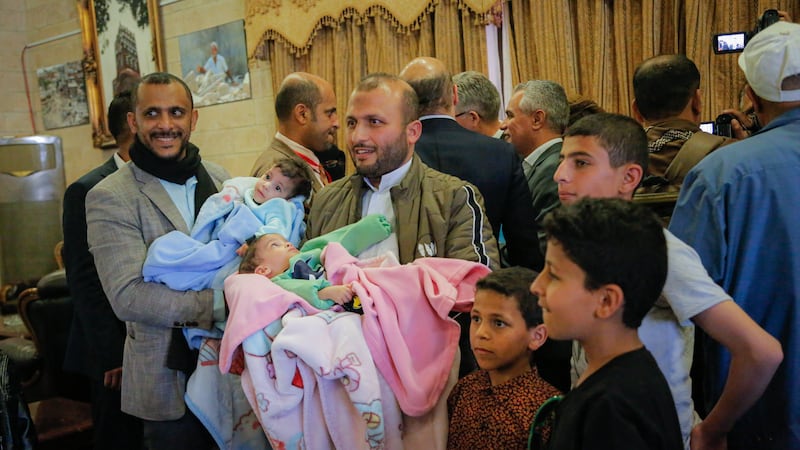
626, 404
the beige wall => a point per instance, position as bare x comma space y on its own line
231, 134
14, 118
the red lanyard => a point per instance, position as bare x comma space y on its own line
317, 167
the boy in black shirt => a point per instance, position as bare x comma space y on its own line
605, 266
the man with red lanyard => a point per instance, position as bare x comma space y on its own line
306, 109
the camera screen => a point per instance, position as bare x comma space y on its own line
729, 43
708, 127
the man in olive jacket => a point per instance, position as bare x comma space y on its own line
432, 214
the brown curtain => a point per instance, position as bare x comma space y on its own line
593, 47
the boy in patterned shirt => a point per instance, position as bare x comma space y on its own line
494, 406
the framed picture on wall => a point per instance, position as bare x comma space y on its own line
63, 94
121, 42
214, 64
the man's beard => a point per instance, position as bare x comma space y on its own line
392, 157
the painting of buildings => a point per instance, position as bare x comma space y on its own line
62, 90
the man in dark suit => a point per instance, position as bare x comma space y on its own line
160, 190
488, 163
97, 336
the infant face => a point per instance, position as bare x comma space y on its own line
274, 184
273, 253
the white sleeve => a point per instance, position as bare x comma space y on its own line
689, 289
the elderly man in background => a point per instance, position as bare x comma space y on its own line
478, 107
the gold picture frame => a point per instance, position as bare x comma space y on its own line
105, 64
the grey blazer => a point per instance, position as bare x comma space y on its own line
125, 213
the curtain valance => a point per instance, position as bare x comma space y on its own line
296, 22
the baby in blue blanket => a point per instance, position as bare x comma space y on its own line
245, 206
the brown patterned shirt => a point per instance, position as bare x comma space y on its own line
483, 416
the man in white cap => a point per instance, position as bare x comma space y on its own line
740, 209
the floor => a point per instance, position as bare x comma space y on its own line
62, 424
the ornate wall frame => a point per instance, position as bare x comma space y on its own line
97, 93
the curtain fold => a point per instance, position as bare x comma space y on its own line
593, 47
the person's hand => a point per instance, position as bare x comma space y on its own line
741, 124
703, 439
340, 294
112, 379
784, 16
242, 250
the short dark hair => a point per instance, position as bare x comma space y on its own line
477, 93
297, 89
663, 85
118, 111
623, 138
515, 282
298, 172
380, 79
249, 262
580, 107
614, 242
160, 78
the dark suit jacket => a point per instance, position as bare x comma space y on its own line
552, 359
496, 170
96, 336
543, 189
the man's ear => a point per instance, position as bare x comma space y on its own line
301, 113
631, 177
612, 300
697, 103
636, 113
537, 337
413, 131
538, 119
263, 270
132, 122
194, 119
758, 106
455, 95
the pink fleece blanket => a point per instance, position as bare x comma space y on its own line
406, 325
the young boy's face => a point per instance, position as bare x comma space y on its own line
585, 171
273, 184
499, 336
567, 306
273, 253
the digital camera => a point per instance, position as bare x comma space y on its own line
734, 42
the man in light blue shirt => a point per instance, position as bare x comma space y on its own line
739, 209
